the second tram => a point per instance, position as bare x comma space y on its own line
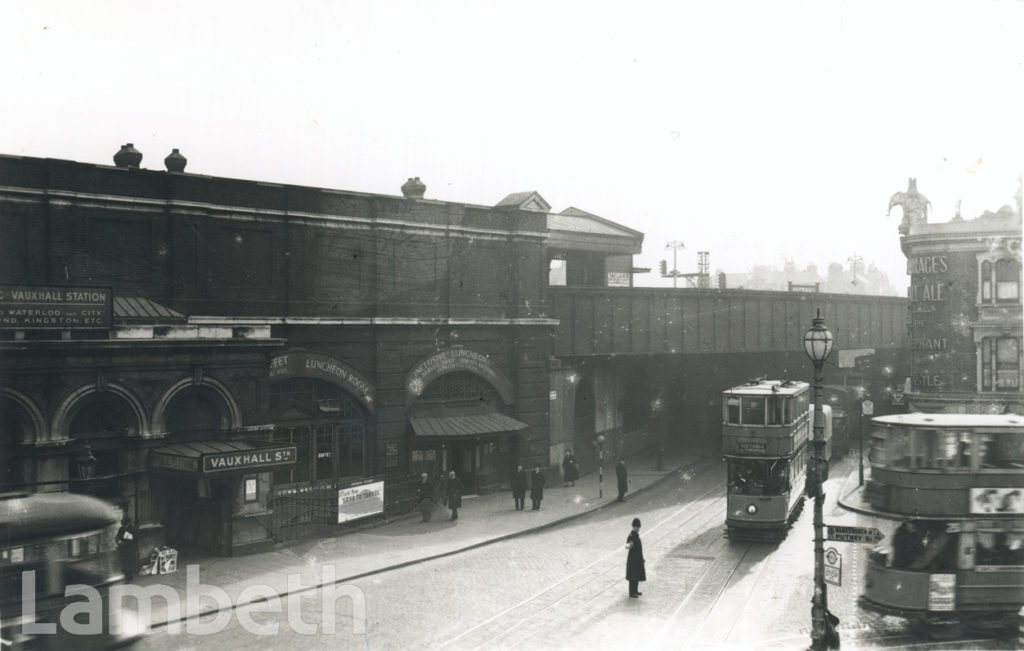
58, 566
955, 484
766, 432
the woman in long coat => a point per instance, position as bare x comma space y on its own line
570, 469
635, 572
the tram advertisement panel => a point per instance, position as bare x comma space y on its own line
997, 500
941, 592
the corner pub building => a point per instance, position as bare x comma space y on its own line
236, 363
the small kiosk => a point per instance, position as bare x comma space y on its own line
215, 493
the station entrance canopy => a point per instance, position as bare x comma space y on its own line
465, 425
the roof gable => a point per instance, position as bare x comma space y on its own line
531, 201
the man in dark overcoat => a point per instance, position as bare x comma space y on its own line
537, 481
519, 483
128, 547
454, 494
635, 572
425, 495
623, 477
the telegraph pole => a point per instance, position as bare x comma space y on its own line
675, 245
854, 260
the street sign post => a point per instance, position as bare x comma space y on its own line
854, 534
833, 567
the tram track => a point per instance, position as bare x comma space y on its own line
508, 629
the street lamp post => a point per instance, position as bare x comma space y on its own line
817, 345
600, 468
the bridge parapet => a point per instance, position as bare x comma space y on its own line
623, 321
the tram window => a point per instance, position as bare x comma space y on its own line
938, 449
746, 476
897, 448
1002, 450
802, 404
775, 415
778, 477
1000, 548
919, 545
753, 410
732, 410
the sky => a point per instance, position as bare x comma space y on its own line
760, 132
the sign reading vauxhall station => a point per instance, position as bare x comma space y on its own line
27, 307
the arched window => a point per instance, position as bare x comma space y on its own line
195, 413
15, 428
1000, 281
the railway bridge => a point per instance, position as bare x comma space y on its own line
645, 367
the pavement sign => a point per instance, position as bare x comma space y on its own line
833, 567
854, 534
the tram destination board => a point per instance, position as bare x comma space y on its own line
853, 534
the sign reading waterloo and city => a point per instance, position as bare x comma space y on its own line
25, 307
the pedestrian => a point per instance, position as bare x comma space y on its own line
570, 469
622, 475
635, 572
537, 487
519, 487
128, 547
454, 494
425, 495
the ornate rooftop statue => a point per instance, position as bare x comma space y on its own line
914, 205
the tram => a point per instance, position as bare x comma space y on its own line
58, 564
955, 485
766, 432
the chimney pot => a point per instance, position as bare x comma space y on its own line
175, 162
414, 188
128, 156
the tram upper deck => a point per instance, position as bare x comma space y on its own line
765, 418
943, 465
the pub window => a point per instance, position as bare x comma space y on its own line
1007, 281
1000, 281
1000, 364
252, 489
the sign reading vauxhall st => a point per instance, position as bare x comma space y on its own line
26, 307
248, 459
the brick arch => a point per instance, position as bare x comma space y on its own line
35, 416
457, 358
160, 411
63, 415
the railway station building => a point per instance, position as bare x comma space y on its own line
236, 363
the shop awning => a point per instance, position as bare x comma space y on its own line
221, 457
465, 425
